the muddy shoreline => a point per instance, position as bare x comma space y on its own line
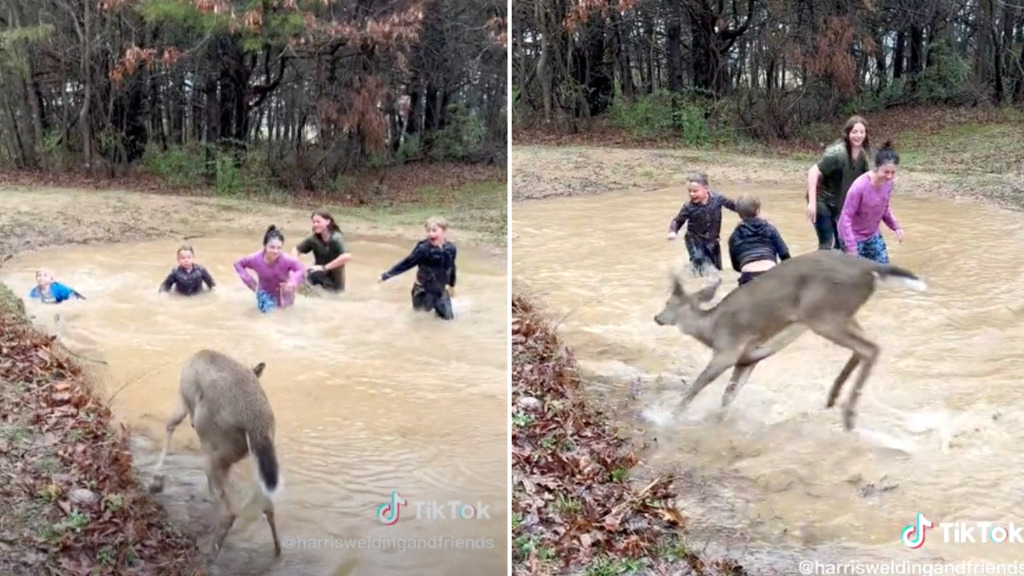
540, 172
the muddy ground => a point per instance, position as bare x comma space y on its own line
544, 172
73, 494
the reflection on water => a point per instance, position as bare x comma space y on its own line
780, 468
369, 396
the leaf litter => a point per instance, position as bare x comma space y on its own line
574, 509
72, 503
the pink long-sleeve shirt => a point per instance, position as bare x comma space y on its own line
271, 276
865, 208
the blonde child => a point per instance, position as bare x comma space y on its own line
435, 277
49, 291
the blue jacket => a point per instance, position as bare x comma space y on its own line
60, 292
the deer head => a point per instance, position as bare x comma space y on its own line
682, 309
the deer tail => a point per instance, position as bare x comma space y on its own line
268, 475
902, 276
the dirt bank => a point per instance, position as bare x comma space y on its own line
71, 504
580, 503
544, 172
69, 477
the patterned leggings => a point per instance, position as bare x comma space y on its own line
265, 302
874, 249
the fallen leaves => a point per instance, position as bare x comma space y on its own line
571, 504
61, 450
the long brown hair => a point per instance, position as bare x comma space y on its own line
327, 216
853, 121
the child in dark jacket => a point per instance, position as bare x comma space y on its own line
703, 218
435, 277
188, 277
755, 246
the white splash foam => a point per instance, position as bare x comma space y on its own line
658, 416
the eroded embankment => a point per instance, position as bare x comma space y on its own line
576, 506
70, 498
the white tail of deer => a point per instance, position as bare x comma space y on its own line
820, 291
232, 417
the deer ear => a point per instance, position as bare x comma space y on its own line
258, 369
677, 286
707, 293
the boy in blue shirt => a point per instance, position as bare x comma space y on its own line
50, 291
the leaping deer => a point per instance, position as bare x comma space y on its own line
820, 291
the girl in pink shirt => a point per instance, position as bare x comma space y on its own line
867, 206
278, 274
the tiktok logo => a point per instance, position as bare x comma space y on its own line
388, 512
913, 535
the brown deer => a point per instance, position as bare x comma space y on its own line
232, 417
821, 291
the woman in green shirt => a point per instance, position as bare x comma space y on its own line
329, 253
830, 178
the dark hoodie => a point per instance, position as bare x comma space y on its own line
755, 239
436, 266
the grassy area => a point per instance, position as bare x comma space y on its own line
480, 207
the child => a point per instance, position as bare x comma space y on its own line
755, 245
49, 291
435, 278
704, 214
188, 277
278, 274
867, 206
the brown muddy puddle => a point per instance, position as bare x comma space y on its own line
369, 398
779, 474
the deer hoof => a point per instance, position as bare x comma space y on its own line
848, 417
157, 484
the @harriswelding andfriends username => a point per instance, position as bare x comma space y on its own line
401, 544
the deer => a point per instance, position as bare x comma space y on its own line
821, 291
230, 413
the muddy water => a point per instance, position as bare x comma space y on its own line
779, 470
369, 397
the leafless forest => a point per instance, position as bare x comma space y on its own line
762, 67
297, 92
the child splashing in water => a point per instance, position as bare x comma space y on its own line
435, 278
278, 274
188, 278
703, 218
49, 291
867, 206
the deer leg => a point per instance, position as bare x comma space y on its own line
720, 362
844, 374
268, 511
833, 394
740, 375
219, 470
157, 485
848, 336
